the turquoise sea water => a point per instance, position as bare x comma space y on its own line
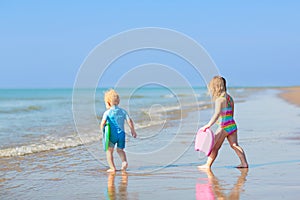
26, 115
35, 120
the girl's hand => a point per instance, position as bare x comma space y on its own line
205, 127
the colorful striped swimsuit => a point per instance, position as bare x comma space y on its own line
226, 117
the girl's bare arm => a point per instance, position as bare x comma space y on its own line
215, 117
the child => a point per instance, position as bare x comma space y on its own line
224, 109
116, 117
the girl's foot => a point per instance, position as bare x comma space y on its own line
242, 166
124, 165
201, 167
111, 170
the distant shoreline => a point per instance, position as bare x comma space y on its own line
129, 87
291, 95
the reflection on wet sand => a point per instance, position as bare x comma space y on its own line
212, 189
122, 189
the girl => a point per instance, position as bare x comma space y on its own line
224, 109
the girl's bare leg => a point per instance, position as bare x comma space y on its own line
219, 139
232, 139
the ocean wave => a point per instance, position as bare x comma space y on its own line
49, 144
21, 109
167, 96
134, 97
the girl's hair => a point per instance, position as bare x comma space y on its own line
112, 97
217, 86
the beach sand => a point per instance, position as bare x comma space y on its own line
266, 125
291, 94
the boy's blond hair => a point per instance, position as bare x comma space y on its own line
111, 97
217, 86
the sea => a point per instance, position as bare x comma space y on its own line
37, 120
51, 145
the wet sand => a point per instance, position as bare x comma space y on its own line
291, 94
265, 123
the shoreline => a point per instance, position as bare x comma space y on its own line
291, 95
80, 172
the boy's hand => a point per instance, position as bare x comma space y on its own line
133, 133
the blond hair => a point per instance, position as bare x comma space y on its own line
111, 97
217, 86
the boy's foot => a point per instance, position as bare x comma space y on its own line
124, 165
111, 170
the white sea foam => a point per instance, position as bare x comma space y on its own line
48, 144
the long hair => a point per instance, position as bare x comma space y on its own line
217, 86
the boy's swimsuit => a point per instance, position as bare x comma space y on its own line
226, 117
116, 117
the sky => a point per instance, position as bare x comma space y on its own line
253, 43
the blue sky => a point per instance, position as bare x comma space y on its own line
254, 43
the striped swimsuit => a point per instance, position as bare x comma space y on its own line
226, 117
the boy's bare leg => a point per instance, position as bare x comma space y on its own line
110, 159
122, 155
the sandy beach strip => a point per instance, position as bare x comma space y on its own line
291, 94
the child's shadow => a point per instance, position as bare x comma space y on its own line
122, 189
212, 189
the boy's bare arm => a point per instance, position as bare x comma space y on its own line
102, 124
131, 126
